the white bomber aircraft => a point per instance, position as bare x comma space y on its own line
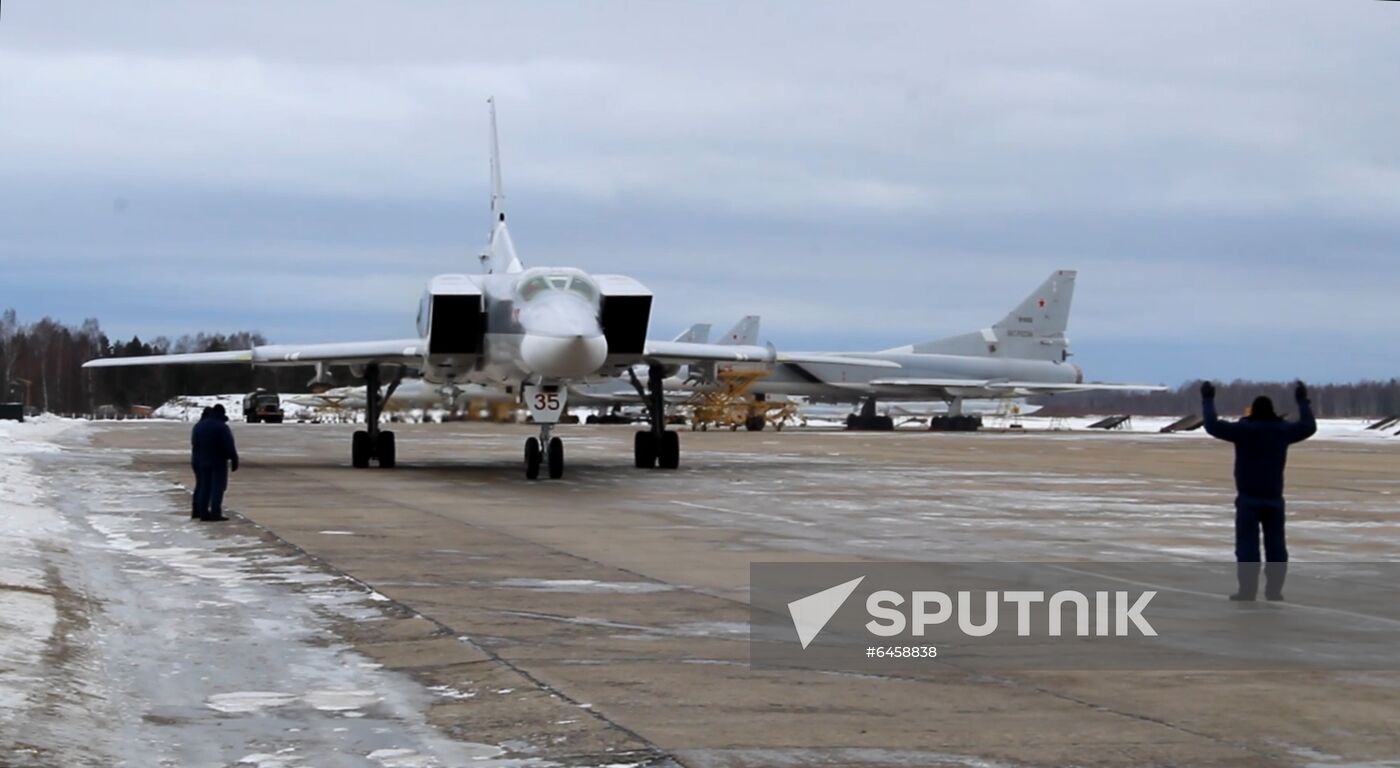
535, 331
1026, 353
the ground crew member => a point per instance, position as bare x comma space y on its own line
199, 490
214, 456
1261, 441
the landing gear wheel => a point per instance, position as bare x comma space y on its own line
755, 423
532, 459
669, 457
644, 450
359, 450
385, 450
556, 458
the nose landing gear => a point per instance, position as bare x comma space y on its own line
545, 403
551, 457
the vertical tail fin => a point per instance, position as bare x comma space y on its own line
744, 333
498, 190
695, 334
1034, 330
500, 251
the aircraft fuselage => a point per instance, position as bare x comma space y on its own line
841, 383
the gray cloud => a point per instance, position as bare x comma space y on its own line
1223, 175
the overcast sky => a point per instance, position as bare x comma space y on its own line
1224, 175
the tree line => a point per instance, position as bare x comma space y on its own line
1363, 399
41, 366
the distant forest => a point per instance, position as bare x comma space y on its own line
42, 362
1365, 399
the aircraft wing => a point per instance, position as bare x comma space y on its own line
1016, 388
801, 358
1042, 388
683, 352
401, 351
930, 383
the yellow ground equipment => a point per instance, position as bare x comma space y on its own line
729, 403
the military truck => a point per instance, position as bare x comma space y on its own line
262, 406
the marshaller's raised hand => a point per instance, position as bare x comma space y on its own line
1207, 390
1300, 392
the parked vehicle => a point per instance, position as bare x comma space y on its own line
263, 406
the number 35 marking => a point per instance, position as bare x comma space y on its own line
547, 401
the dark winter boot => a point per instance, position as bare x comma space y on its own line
1274, 574
1248, 576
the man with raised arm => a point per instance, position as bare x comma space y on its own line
1261, 441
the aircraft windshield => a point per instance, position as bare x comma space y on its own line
577, 283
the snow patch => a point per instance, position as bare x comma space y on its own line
340, 700
240, 702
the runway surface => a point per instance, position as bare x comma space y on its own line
602, 618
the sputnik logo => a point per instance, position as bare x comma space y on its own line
811, 613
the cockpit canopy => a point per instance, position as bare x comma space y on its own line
540, 281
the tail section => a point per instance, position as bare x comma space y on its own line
745, 333
695, 334
500, 251
1034, 330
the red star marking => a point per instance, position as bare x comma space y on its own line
1042, 302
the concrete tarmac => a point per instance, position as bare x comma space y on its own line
606, 613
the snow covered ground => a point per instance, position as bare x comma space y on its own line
131, 636
189, 407
1327, 429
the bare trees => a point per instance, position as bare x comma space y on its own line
41, 363
1362, 399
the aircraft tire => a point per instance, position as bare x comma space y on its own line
755, 423
386, 452
669, 455
556, 458
644, 450
359, 450
532, 458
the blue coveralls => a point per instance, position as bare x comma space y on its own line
1261, 451
212, 449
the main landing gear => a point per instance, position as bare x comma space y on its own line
867, 420
956, 420
371, 444
657, 446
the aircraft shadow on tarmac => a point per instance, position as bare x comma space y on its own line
494, 467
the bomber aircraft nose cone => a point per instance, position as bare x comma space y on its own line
563, 357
